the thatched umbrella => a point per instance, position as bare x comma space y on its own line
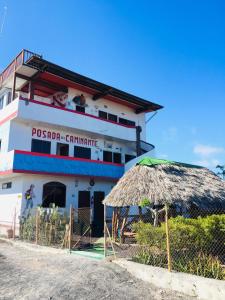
163, 181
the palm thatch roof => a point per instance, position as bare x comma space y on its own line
163, 181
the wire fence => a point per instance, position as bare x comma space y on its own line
192, 241
189, 240
54, 227
44, 227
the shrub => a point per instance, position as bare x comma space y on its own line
147, 234
51, 229
201, 265
148, 256
27, 229
195, 244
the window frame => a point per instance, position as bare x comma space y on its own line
111, 116
80, 108
109, 153
120, 157
41, 142
126, 122
104, 115
87, 149
58, 145
131, 157
6, 185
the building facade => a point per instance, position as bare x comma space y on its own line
65, 136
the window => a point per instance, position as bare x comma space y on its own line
129, 157
82, 152
80, 108
102, 114
62, 149
106, 116
54, 193
6, 185
112, 157
112, 117
40, 146
126, 122
1, 102
107, 156
117, 158
0, 145
8, 98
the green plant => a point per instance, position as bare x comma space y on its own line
196, 244
28, 229
150, 257
201, 265
51, 226
145, 202
147, 234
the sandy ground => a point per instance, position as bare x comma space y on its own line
28, 274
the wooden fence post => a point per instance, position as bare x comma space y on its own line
70, 228
14, 224
37, 226
167, 238
105, 231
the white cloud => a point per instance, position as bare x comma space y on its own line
206, 150
207, 155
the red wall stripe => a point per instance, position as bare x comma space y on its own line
9, 117
63, 174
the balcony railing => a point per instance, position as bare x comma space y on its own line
26, 162
22, 58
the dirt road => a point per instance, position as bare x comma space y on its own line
31, 275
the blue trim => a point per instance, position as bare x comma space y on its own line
68, 167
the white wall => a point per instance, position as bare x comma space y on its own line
73, 185
13, 199
10, 202
21, 136
93, 107
4, 136
111, 107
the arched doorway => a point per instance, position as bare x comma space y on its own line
54, 192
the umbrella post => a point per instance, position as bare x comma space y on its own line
167, 238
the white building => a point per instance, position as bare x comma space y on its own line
67, 134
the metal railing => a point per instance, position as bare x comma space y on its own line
22, 58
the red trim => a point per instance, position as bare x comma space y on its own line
6, 172
73, 111
66, 157
54, 173
6, 119
62, 174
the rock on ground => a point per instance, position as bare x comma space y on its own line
28, 274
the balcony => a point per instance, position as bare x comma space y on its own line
36, 111
21, 59
36, 163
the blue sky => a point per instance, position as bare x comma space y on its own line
170, 52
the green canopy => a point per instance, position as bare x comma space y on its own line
150, 161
